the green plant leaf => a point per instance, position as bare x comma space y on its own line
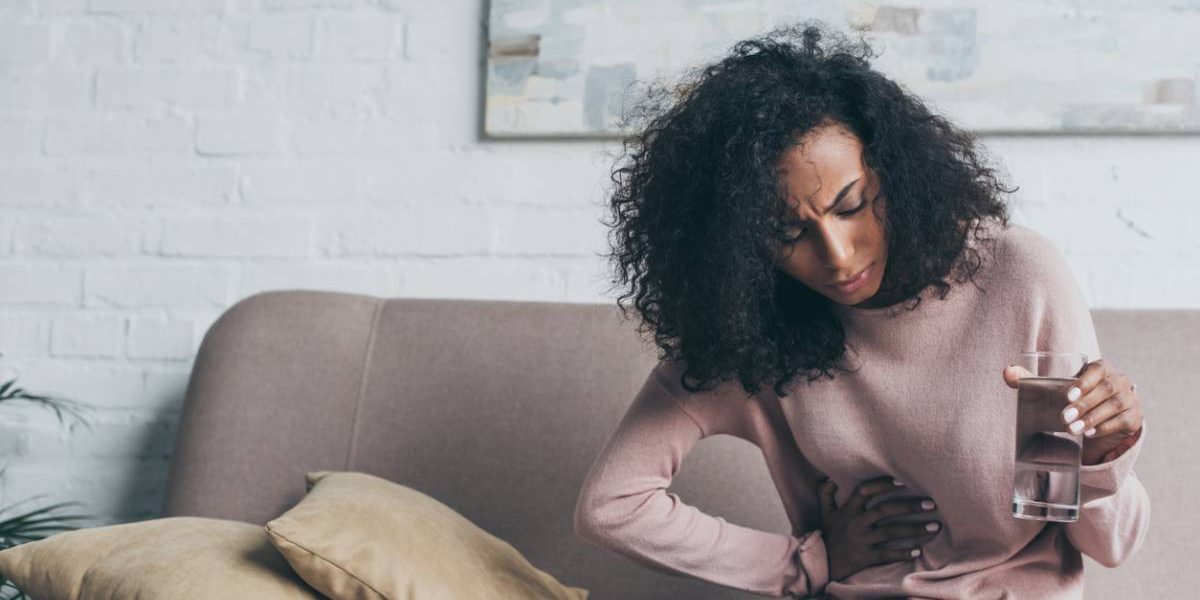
8, 591
36, 524
61, 406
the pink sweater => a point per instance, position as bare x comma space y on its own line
929, 407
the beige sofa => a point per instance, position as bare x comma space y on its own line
498, 409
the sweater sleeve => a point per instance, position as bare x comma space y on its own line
1114, 507
625, 507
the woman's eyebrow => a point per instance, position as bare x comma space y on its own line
840, 195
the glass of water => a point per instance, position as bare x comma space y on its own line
1046, 473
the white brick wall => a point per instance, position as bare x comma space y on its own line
162, 159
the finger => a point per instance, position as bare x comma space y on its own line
923, 531
869, 488
1093, 398
1113, 406
1014, 373
825, 493
885, 555
1128, 421
892, 508
1093, 371
1095, 375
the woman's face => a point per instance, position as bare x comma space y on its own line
837, 227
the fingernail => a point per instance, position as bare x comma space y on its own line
927, 504
898, 482
1090, 432
932, 527
1076, 427
1070, 413
1073, 394
916, 552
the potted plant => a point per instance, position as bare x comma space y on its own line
18, 527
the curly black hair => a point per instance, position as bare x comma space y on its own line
698, 209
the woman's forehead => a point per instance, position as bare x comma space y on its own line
820, 191
818, 169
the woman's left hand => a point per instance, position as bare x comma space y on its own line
1106, 409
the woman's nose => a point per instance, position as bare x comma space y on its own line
837, 248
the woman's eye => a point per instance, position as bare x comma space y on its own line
796, 237
855, 209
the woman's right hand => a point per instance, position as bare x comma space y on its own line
853, 536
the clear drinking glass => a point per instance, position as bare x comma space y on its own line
1046, 473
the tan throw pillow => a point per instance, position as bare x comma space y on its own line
174, 558
358, 536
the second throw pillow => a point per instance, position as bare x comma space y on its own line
357, 536
173, 558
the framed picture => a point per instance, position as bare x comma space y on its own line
566, 68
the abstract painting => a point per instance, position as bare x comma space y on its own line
566, 68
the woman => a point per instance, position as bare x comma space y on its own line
793, 212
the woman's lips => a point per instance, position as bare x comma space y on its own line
855, 283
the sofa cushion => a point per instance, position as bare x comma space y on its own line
359, 536
177, 558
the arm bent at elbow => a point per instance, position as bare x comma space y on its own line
624, 506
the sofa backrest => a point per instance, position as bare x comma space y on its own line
498, 408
